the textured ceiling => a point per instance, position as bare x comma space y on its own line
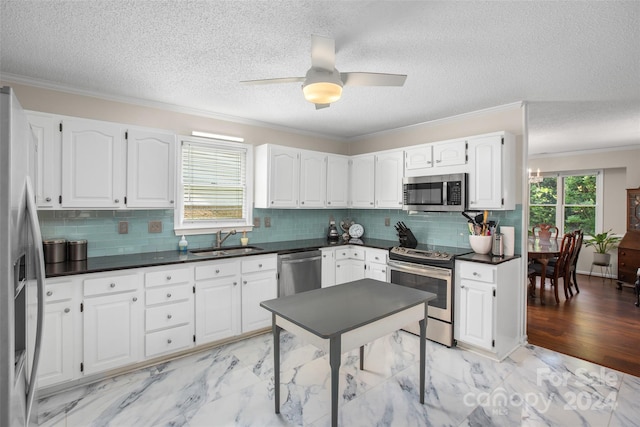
459, 57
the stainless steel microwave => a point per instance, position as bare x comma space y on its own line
436, 193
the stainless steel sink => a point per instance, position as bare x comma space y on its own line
230, 251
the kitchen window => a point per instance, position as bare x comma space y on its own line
568, 200
215, 189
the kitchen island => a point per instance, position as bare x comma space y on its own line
341, 318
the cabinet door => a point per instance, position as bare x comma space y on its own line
313, 179
112, 331
348, 270
56, 364
388, 187
93, 171
217, 309
485, 175
449, 153
362, 173
418, 158
337, 181
476, 313
328, 274
284, 177
257, 287
150, 169
48, 160
376, 271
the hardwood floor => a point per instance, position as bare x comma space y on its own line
601, 324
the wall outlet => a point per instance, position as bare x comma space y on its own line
123, 227
155, 226
387, 222
256, 222
267, 221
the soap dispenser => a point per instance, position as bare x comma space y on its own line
182, 245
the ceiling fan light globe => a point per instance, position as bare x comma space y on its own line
322, 92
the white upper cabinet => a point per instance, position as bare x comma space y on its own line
492, 172
420, 157
150, 169
313, 179
48, 159
443, 157
362, 181
277, 176
337, 181
449, 153
93, 165
388, 182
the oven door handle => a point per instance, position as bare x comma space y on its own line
422, 270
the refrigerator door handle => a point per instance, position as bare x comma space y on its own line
32, 214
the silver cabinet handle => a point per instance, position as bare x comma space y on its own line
371, 203
376, 258
384, 271
168, 277
337, 265
438, 161
355, 254
475, 274
169, 341
66, 310
328, 203
171, 201
135, 299
169, 316
235, 283
244, 282
429, 162
259, 265
117, 200
217, 271
272, 202
48, 199
112, 285
461, 286
49, 293
169, 295
302, 203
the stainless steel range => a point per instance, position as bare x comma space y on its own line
429, 269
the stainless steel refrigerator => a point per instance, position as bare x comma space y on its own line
21, 267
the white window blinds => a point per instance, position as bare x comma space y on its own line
214, 182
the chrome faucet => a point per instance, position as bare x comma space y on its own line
220, 240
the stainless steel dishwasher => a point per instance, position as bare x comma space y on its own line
298, 272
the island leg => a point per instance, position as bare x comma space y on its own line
423, 352
276, 362
334, 361
362, 358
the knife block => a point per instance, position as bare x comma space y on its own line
407, 239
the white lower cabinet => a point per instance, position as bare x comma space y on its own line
349, 264
344, 264
487, 315
259, 283
113, 311
328, 267
376, 264
217, 300
169, 321
61, 334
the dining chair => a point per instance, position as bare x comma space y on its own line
540, 230
560, 268
571, 273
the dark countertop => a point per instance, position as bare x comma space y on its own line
332, 311
150, 259
486, 259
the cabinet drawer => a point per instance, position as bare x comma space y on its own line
168, 340
167, 277
350, 253
377, 256
58, 291
110, 285
219, 269
166, 316
259, 263
168, 294
477, 271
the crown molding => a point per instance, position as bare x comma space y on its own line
584, 152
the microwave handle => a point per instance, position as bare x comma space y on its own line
445, 193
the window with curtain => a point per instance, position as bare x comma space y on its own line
214, 186
569, 201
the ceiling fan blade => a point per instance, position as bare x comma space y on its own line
323, 52
269, 81
321, 106
373, 79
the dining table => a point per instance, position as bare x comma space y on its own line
542, 250
341, 318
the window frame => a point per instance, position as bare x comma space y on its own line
560, 204
209, 227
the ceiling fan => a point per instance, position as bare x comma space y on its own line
323, 83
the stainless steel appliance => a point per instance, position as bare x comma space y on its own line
299, 272
21, 268
431, 270
436, 193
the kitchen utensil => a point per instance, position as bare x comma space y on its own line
76, 250
55, 250
332, 234
405, 236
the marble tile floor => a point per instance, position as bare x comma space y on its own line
233, 385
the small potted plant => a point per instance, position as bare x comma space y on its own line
602, 243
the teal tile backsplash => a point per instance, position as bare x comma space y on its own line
100, 228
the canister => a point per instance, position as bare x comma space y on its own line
77, 250
55, 250
498, 248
